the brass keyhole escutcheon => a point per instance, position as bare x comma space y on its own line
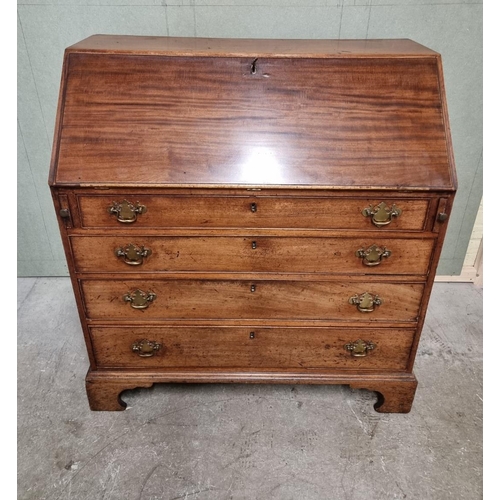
133, 255
373, 255
253, 207
365, 302
359, 348
126, 212
139, 299
382, 214
146, 348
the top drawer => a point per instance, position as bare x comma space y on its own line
183, 211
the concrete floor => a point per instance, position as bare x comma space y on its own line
247, 441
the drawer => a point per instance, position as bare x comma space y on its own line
129, 253
248, 212
231, 347
224, 299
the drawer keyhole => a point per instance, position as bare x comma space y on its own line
253, 207
254, 245
252, 288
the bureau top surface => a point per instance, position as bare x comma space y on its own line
172, 112
245, 47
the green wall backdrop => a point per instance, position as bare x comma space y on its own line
46, 27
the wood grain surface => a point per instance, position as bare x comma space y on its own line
230, 300
394, 396
142, 120
236, 212
396, 390
241, 47
267, 348
95, 254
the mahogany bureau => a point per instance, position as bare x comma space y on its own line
263, 211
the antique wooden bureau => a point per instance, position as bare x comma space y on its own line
263, 211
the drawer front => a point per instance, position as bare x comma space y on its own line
256, 212
228, 347
128, 253
206, 299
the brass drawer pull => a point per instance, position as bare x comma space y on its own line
373, 255
132, 254
146, 348
126, 212
139, 299
360, 348
382, 214
365, 302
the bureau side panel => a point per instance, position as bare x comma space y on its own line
443, 209
62, 201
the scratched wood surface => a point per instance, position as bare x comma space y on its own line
230, 300
252, 347
236, 212
251, 254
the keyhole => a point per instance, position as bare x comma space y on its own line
254, 66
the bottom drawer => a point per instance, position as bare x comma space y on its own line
246, 347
